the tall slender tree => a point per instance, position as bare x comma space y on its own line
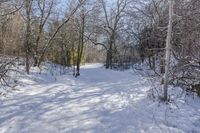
27, 40
81, 40
168, 51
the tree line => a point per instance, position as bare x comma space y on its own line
163, 34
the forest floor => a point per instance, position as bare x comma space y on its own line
99, 101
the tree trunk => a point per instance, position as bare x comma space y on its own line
28, 34
111, 58
162, 64
108, 59
81, 43
68, 63
111, 50
150, 62
109, 55
154, 62
27, 62
73, 59
35, 60
168, 51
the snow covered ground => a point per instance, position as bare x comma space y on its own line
99, 101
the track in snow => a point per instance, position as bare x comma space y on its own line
99, 101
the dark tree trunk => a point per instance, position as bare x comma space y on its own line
108, 59
162, 64
68, 59
27, 62
109, 55
154, 63
81, 43
27, 35
150, 62
35, 61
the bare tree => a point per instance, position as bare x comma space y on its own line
107, 27
45, 9
27, 40
81, 40
49, 41
111, 27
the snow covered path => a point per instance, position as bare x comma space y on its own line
99, 101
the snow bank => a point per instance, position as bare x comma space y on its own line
99, 101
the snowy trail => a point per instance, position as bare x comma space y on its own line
99, 101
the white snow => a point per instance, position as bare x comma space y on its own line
99, 101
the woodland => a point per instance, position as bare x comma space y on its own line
96, 42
